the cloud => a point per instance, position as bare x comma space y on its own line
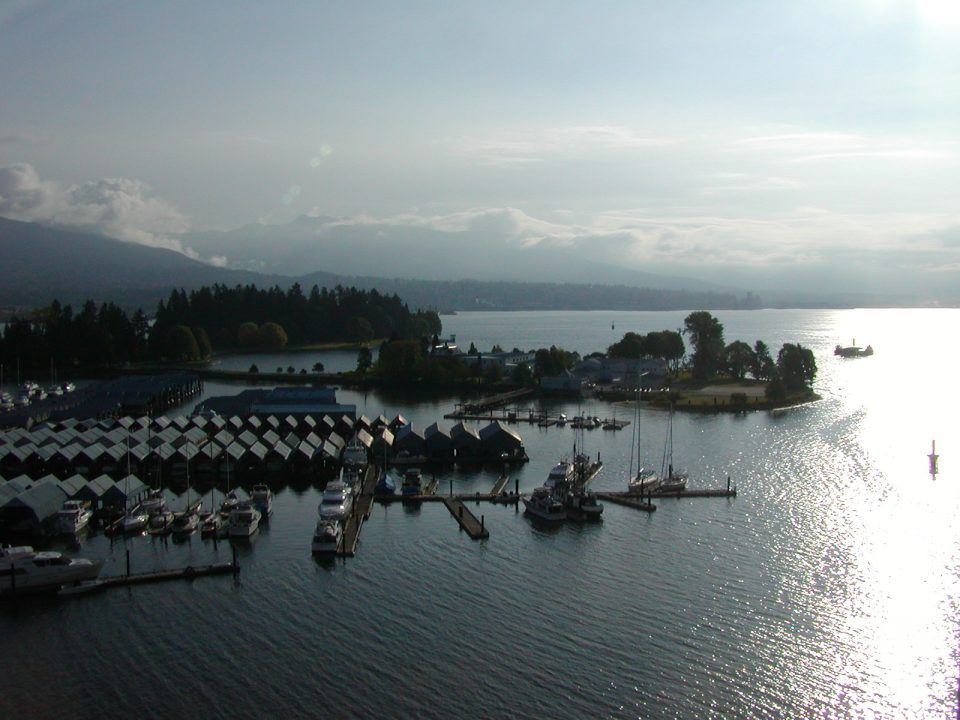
120, 208
537, 145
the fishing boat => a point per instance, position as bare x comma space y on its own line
73, 517
326, 537
579, 502
24, 570
244, 521
544, 505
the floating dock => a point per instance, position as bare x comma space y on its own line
468, 521
632, 501
362, 507
186, 573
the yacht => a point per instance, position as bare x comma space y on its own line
263, 499
326, 537
412, 483
244, 520
23, 570
336, 501
544, 505
73, 517
354, 453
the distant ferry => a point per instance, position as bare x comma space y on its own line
853, 350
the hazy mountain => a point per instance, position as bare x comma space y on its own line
41, 263
395, 250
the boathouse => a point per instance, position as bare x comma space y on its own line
28, 512
437, 444
499, 443
466, 443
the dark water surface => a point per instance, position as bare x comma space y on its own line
828, 588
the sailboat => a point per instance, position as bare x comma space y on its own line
185, 523
645, 481
135, 520
672, 481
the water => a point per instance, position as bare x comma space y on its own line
828, 588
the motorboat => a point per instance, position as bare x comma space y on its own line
68, 387
262, 498
244, 520
560, 475
386, 485
412, 483
352, 478
544, 505
327, 537
24, 570
853, 351
135, 521
73, 517
354, 453
336, 502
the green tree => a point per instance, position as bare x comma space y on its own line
553, 361
399, 361
247, 335
359, 330
737, 357
203, 342
522, 375
253, 369
775, 392
706, 337
796, 367
364, 359
493, 373
318, 367
631, 345
271, 336
762, 366
182, 345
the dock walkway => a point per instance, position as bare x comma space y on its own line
468, 521
362, 507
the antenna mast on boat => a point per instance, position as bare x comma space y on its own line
934, 458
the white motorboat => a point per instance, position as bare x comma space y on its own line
185, 524
23, 570
544, 505
244, 520
229, 504
326, 537
263, 499
336, 501
73, 517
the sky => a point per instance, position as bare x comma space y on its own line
779, 140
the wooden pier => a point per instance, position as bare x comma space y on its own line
474, 528
185, 573
499, 485
701, 493
636, 502
362, 507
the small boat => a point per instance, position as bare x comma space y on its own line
185, 524
544, 505
229, 504
262, 498
584, 506
68, 387
73, 517
135, 521
336, 501
161, 523
211, 524
412, 483
386, 485
23, 570
244, 520
154, 502
853, 350
326, 537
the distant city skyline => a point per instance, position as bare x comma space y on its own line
756, 142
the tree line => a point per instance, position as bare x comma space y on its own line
190, 326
